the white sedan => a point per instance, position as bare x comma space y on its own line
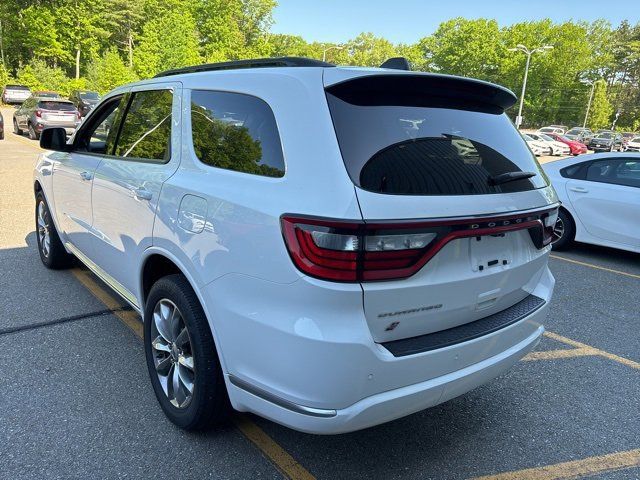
537, 148
600, 196
557, 148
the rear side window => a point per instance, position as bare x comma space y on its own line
236, 132
61, 106
146, 129
396, 148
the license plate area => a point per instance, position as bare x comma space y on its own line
491, 252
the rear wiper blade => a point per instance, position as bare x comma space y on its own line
510, 177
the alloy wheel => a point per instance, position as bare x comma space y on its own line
44, 227
172, 353
558, 230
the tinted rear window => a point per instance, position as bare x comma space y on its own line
408, 150
60, 106
17, 87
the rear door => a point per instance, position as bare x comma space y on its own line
127, 184
427, 150
607, 200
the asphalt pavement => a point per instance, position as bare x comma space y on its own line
76, 402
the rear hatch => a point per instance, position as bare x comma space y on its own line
457, 208
58, 112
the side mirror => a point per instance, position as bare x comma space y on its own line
54, 139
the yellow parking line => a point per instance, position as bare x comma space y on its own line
31, 143
128, 317
574, 469
596, 351
557, 354
274, 452
598, 267
285, 462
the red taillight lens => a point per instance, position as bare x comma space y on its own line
78, 115
358, 251
38, 114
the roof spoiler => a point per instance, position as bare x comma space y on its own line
424, 90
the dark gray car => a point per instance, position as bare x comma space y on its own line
84, 100
606, 141
37, 113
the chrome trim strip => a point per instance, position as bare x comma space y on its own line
105, 277
269, 397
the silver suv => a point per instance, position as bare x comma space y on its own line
38, 113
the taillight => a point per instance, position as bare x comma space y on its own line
38, 114
347, 251
78, 115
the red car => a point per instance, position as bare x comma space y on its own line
576, 147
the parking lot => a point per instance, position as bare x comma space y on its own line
75, 400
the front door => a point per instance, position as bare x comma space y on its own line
127, 184
73, 177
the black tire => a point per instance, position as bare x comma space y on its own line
53, 256
33, 135
16, 128
563, 241
209, 403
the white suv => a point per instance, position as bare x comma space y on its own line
327, 247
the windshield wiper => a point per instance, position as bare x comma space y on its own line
510, 177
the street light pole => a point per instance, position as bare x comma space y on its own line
586, 115
324, 51
528, 52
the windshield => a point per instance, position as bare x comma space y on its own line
635, 139
407, 150
547, 129
605, 135
64, 106
546, 137
89, 95
16, 87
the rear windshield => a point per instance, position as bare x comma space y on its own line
63, 106
407, 150
605, 135
17, 87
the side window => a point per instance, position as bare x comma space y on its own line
572, 172
146, 129
236, 132
616, 171
100, 133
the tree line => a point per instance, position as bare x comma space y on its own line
100, 44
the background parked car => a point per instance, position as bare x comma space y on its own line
557, 148
627, 136
1, 127
536, 147
15, 94
84, 100
551, 129
633, 145
580, 134
606, 141
600, 196
37, 113
576, 147
46, 94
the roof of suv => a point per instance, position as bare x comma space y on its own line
333, 75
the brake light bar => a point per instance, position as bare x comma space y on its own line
359, 251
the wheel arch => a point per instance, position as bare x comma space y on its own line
157, 263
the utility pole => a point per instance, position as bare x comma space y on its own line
586, 115
528, 52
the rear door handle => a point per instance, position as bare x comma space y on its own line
86, 175
578, 189
142, 194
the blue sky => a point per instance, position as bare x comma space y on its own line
409, 20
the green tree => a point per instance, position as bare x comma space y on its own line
108, 72
37, 75
601, 109
368, 50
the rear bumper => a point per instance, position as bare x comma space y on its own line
303, 356
393, 404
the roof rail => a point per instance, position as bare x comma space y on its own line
254, 63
